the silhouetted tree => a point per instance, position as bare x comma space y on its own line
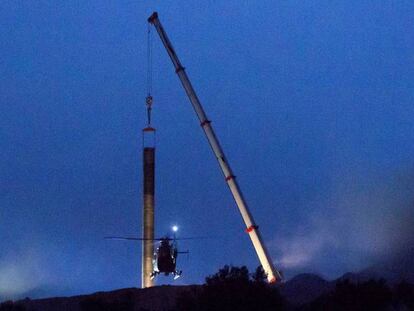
232, 288
259, 276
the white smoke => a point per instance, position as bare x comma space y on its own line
365, 221
21, 273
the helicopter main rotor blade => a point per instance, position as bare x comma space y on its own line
156, 239
122, 238
192, 238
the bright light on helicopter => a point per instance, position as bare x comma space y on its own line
175, 228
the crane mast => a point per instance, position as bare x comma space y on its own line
251, 228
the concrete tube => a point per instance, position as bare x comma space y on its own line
148, 216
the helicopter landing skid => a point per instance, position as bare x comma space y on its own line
177, 274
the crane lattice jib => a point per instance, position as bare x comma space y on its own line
251, 228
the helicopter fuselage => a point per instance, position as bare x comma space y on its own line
165, 259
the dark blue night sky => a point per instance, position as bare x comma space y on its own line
312, 101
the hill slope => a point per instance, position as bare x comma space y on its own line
154, 299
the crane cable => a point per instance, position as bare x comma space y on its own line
148, 133
148, 99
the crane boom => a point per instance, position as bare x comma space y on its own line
251, 228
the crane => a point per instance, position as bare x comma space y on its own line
251, 228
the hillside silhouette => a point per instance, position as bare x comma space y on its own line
235, 288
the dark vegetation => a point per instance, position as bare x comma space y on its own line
12, 306
369, 295
234, 288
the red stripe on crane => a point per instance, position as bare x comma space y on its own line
179, 69
148, 129
272, 280
251, 228
230, 177
205, 123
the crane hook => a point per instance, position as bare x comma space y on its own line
148, 101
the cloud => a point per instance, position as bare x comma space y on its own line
21, 273
366, 220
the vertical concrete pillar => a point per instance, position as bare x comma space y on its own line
148, 216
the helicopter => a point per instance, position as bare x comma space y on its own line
165, 255
165, 258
